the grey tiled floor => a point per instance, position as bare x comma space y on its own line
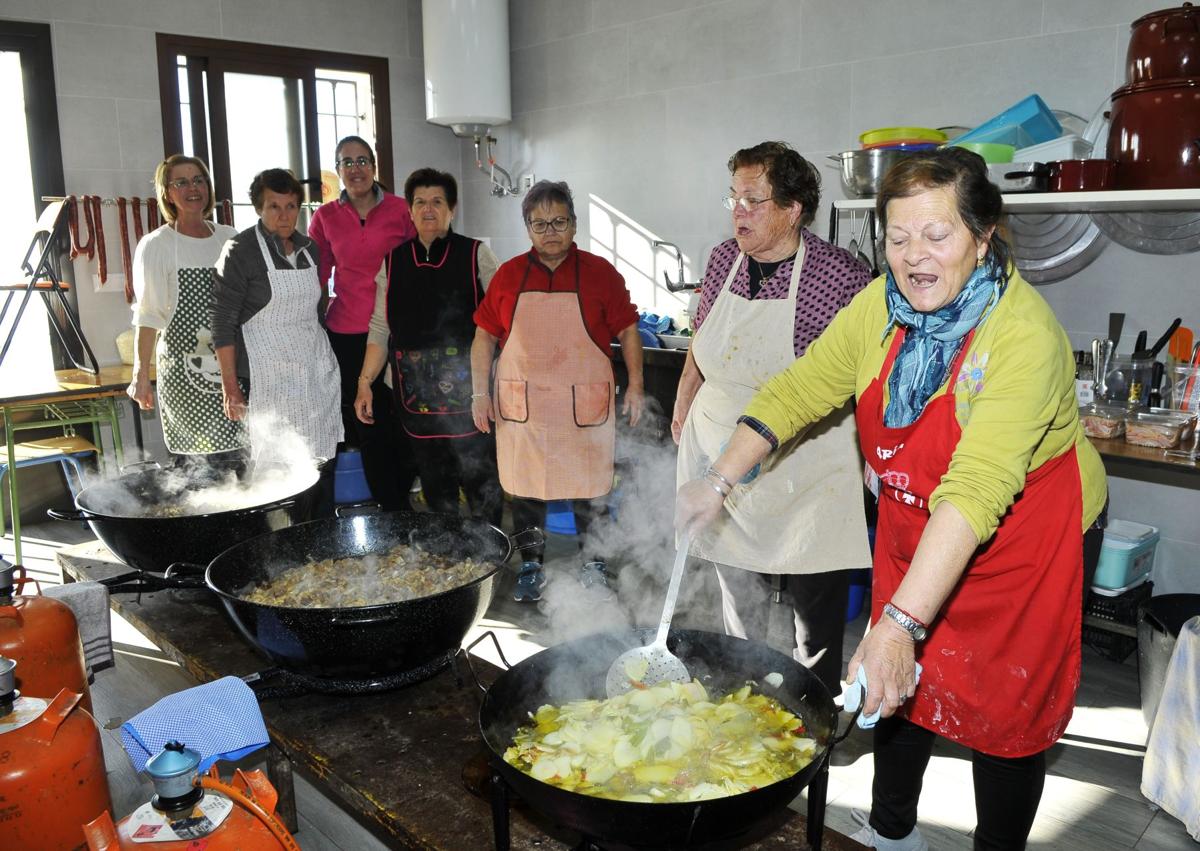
1091, 800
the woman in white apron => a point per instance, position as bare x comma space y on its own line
172, 281
267, 306
767, 293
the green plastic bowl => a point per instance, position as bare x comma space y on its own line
992, 152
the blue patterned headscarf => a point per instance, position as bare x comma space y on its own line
931, 340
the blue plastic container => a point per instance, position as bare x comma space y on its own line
1029, 122
560, 517
349, 480
860, 593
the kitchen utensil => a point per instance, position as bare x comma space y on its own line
900, 134
1104, 364
863, 171
653, 664
1164, 44
576, 670
1181, 344
1081, 175
905, 145
146, 540
1097, 369
864, 238
1152, 134
1156, 377
1052, 246
1028, 122
1019, 177
1162, 341
1116, 321
1139, 345
992, 152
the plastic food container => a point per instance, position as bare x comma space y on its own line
1104, 421
1029, 122
1066, 147
1162, 431
883, 135
1126, 556
1127, 381
992, 152
1183, 388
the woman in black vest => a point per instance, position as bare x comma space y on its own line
426, 295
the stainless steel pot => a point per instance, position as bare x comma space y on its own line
863, 171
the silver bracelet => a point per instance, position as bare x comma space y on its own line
713, 485
712, 471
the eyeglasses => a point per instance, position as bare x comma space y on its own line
558, 225
184, 183
349, 163
748, 204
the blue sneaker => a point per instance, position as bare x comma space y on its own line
530, 582
594, 577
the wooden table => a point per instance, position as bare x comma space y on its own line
64, 398
396, 761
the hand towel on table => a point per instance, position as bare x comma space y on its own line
219, 720
89, 602
1172, 761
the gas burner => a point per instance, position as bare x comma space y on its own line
280, 682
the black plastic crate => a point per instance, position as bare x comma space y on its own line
1122, 608
1111, 645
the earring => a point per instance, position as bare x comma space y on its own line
979, 262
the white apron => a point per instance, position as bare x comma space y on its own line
294, 379
803, 511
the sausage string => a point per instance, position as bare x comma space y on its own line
126, 258
101, 251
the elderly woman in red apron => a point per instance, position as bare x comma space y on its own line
554, 312
987, 487
767, 293
267, 309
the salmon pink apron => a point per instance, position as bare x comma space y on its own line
1001, 663
555, 422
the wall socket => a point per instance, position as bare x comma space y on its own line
527, 181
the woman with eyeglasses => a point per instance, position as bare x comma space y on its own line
427, 292
354, 233
173, 281
768, 292
554, 312
278, 371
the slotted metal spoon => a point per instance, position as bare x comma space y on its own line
642, 667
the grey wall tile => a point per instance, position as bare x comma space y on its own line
842, 30
967, 85
416, 144
416, 43
726, 42
537, 21
139, 128
105, 61
88, 130
371, 27
582, 69
406, 78
1083, 14
610, 13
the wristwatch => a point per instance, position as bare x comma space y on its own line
909, 624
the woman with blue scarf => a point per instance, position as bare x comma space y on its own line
966, 414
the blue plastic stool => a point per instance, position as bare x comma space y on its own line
860, 592
68, 450
349, 480
560, 517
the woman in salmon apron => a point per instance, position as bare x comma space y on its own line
173, 281
267, 309
767, 293
967, 418
554, 312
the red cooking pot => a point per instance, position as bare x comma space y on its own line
1081, 175
1155, 134
1164, 44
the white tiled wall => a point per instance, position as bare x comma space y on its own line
639, 103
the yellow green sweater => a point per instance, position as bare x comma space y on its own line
1014, 399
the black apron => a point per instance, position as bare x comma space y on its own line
431, 301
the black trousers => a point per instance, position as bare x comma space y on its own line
449, 463
1007, 791
527, 513
386, 455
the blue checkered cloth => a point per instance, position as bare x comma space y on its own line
218, 720
856, 693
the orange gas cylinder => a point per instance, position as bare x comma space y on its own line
192, 812
40, 634
52, 777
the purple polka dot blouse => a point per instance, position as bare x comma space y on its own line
830, 277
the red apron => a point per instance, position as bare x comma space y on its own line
1001, 663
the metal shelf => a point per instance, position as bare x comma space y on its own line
1078, 202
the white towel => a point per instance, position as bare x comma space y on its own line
1172, 761
89, 602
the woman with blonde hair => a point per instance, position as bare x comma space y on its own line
172, 281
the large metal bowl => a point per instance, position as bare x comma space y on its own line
863, 171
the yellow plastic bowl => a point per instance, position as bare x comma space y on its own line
895, 134
992, 152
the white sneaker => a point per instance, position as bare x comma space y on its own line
868, 837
